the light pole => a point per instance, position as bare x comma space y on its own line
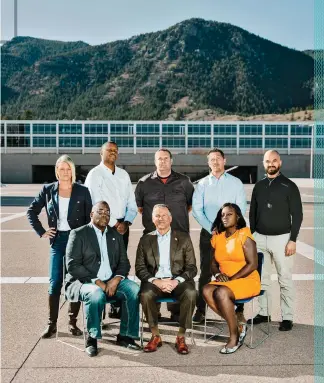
16, 18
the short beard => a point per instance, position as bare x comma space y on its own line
272, 171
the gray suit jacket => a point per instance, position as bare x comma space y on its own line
182, 254
83, 258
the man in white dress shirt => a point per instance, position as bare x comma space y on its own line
107, 182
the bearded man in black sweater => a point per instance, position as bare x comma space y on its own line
276, 214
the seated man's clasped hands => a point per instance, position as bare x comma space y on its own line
234, 267
166, 266
97, 267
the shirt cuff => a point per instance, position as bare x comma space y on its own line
121, 276
180, 279
93, 280
152, 279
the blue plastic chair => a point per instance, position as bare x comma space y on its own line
243, 301
165, 300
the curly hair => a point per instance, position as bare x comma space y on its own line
218, 224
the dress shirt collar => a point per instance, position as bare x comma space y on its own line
109, 170
98, 231
212, 177
164, 236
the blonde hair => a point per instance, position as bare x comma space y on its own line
67, 159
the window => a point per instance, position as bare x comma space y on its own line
251, 130
199, 142
274, 143
123, 142
147, 129
2, 128
96, 129
300, 130
44, 142
2, 139
250, 142
44, 129
148, 142
18, 142
224, 143
18, 128
94, 142
174, 129
276, 130
121, 128
173, 142
70, 129
194, 129
302, 143
225, 130
70, 142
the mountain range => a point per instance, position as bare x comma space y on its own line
210, 65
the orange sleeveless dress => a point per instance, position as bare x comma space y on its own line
230, 257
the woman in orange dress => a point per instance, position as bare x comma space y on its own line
235, 269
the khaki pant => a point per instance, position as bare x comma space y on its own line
273, 249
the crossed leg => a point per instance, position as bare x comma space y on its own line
221, 300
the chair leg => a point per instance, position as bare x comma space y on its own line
142, 327
267, 334
84, 331
193, 342
206, 340
205, 327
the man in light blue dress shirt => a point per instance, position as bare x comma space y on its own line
210, 194
166, 265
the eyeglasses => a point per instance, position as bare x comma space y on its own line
103, 212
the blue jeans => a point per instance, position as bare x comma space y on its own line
57, 253
95, 299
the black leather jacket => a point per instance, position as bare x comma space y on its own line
79, 208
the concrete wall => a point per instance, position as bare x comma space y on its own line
17, 168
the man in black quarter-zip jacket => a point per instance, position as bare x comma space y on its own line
276, 215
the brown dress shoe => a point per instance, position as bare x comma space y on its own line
153, 344
181, 346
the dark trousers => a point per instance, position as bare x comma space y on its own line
206, 254
126, 235
185, 293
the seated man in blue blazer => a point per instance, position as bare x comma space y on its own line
97, 267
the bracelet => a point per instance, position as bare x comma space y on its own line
217, 274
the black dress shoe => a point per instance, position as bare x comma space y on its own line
91, 346
74, 330
198, 318
49, 330
259, 319
286, 325
127, 342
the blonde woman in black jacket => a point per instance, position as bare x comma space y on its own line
68, 206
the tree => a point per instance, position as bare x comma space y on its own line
27, 115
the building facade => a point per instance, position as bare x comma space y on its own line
34, 142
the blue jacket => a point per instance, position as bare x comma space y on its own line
79, 208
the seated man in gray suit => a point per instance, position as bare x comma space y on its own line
166, 266
97, 267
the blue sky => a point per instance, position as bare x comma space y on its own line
287, 22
